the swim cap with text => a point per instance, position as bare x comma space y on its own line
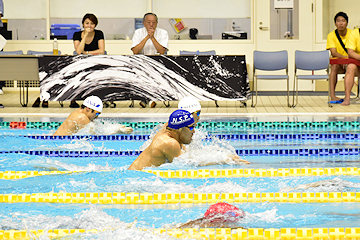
180, 118
190, 104
94, 103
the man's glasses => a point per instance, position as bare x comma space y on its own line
191, 127
198, 113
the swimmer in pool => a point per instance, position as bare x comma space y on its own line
169, 143
335, 184
88, 111
192, 105
219, 215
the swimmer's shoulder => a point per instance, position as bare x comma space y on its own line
79, 118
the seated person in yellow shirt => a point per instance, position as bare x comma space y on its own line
352, 70
336, 41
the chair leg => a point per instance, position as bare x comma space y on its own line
216, 104
166, 104
288, 93
294, 88
252, 95
329, 104
131, 104
61, 103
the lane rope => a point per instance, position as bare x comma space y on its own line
180, 198
250, 172
204, 233
240, 152
236, 137
219, 124
209, 173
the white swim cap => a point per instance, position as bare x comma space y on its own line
190, 104
94, 103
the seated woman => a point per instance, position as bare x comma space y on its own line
89, 41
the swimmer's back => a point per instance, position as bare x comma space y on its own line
162, 149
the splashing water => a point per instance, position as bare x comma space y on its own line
158, 185
199, 152
215, 151
329, 185
100, 127
109, 227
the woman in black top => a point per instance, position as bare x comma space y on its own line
89, 41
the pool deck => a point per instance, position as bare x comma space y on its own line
266, 106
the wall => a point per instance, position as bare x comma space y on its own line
350, 7
222, 47
116, 17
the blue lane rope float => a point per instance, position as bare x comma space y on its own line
142, 125
245, 137
240, 152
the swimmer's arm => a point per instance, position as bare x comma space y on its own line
192, 224
124, 129
237, 159
231, 159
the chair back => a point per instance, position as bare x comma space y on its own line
20, 52
316, 60
30, 52
189, 53
212, 52
270, 61
75, 53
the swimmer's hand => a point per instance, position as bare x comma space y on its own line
237, 159
124, 129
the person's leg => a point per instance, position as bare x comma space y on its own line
74, 104
334, 70
351, 71
2, 84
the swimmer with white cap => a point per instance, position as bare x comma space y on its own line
167, 144
88, 111
192, 105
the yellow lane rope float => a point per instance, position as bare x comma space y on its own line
9, 175
250, 172
210, 173
182, 198
205, 233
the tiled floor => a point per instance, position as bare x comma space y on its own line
266, 105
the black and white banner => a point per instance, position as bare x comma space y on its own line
158, 78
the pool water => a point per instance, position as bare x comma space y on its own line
109, 174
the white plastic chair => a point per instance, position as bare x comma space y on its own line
270, 61
30, 52
311, 61
190, 53
212, 52
75, 53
